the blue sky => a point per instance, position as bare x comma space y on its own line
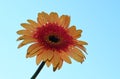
99, 20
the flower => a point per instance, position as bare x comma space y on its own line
53, 41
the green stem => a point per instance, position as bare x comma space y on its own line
38, 70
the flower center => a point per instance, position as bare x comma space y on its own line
54, 39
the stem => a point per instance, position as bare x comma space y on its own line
38, 70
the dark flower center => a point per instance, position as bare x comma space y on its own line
54, 39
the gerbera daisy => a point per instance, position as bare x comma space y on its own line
53, 41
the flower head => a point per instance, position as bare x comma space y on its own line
53, 41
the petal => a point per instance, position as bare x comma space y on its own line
24, 32
39, 58
53, 17
43, 18
81, 42
73, 32
48, 63
33, 46
24, 37
76, 57
64, 21
78, 34
60, 64
78, 52
65, 57
33, 23
47, 55
55, 60
54, 68
82, 48
72, 28
26, 42
27, 26
34, 52
74, 54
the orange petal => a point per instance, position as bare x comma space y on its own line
60, 64
55, 60
48, 63
39, 58
73, 32
26, 42
47, 55
82, 48
72, 28
33, 46
54, 68
64, 21
78, 52
53, 17
33, 23
43, 18
27, 26
24, 32
24, 37
76, 57
78, 34
81, 42
65, 57
74, 54
34, 52
21, 38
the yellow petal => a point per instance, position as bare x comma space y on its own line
47, 55
81, 42
48, 63
60, 64
78, 34
54, 68
24, 32
82, 48
34, 52
73, 32
75, 56
39, 58
72, 28
53, 17
55, 60
33, 46
64, 21
26, 42
78, 52
33, 23
27, 26
43, 18
24, 37
21, 38
65, 57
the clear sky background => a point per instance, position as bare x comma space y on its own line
99, 20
